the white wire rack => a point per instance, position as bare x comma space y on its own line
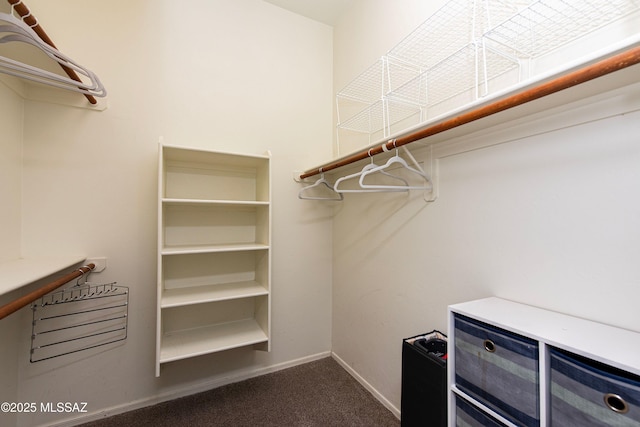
463, 77
467, 50
436, 62
363, 105
450, 28
380, 115
544, 25
79, 318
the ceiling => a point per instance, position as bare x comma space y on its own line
325, 11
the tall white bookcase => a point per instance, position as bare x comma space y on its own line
214, 253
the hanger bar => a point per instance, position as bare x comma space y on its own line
25, 300
601, 68
31, 21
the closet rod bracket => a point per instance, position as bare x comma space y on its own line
296, 175
99, 262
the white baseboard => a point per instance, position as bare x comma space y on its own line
394, 410
186, 391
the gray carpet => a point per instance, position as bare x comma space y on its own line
319, 393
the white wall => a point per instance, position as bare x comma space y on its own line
549, 216
243, 76
10, 172
10, 226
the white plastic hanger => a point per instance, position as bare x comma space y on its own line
397, 160
366, 168
322, 182
18, 31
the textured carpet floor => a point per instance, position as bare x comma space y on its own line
319, 393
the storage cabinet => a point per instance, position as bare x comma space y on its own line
214, 253
516, 365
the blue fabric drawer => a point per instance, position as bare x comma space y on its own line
499, 369
586, 393
468, 415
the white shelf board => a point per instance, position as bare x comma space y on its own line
175, 153
210, 339
203, 202
20, 272
210, 293
199, 249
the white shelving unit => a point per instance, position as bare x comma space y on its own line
214, 253
509, 349
470, 49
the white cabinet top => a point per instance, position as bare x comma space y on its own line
597, 341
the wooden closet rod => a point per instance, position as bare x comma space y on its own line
32, 22
609, 65
17, 304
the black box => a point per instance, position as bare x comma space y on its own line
424, 380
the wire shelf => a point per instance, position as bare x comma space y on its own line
380, 116
379, 79
450, 28
362, 104
469, 70
495, 12
545, 25
466, 50
369, 86
414, 92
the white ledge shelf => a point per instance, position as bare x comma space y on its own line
211, 293
201, 249
210, 339
20, 272
203, 202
